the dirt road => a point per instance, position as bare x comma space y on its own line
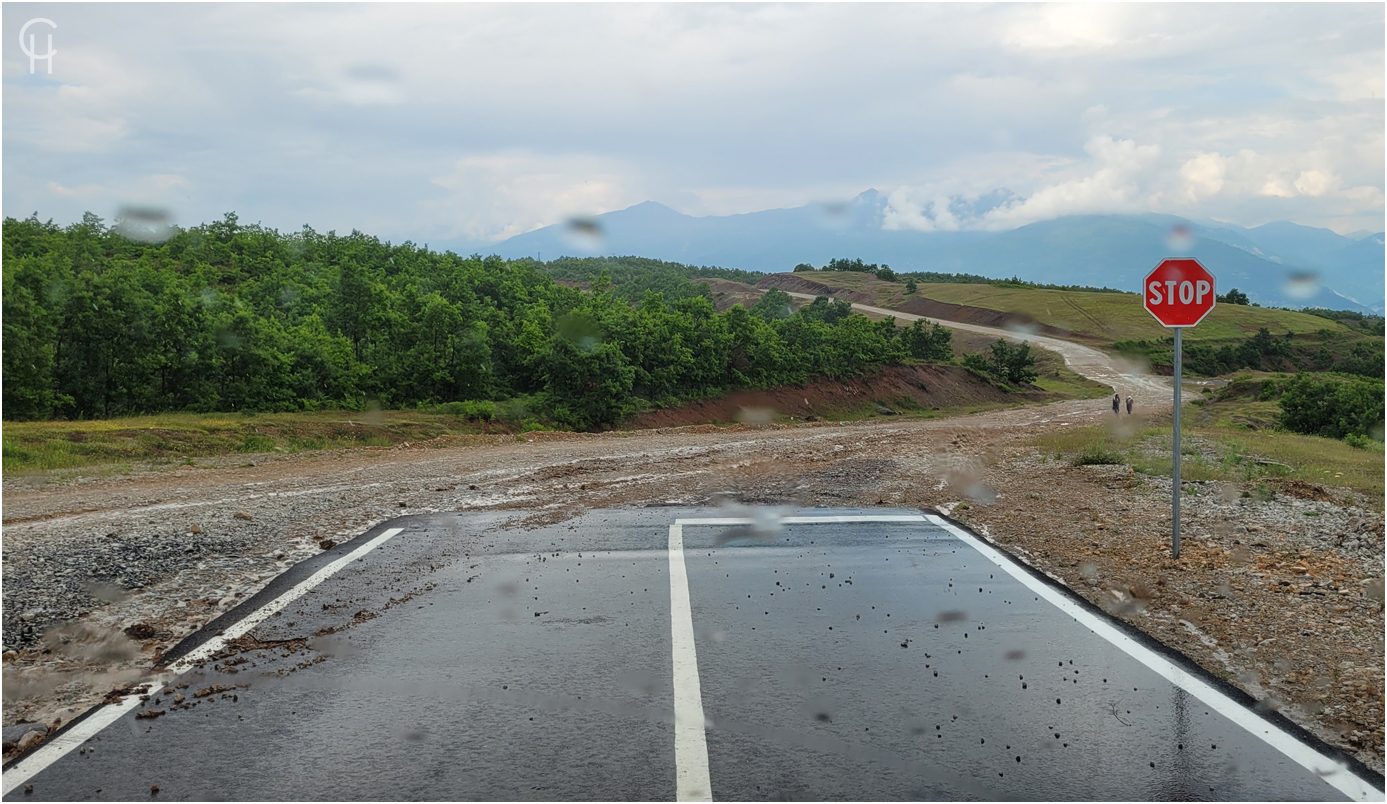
115, 570
1083, 360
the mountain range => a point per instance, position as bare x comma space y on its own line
1277, 264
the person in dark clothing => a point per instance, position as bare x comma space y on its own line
1117, 404
1129, 404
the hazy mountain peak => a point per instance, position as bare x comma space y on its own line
1098, 250
652, 207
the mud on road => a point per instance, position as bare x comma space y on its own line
1288, 607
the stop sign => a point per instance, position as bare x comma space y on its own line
1179, 292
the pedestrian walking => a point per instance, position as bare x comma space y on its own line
1117, 404
1129, 404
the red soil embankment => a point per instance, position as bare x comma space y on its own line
895, 387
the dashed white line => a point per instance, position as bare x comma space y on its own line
61, 745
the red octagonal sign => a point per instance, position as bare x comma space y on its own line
1179, 292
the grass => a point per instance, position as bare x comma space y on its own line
181, 437
1107, 317
1054, 376
1225, 441
1097, 456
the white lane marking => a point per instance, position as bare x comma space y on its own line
691, 781
51, 752
1344, 780
807, 520
268, 610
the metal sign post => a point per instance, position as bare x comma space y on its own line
1179, 293
1175, 460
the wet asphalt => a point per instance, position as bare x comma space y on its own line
467, 660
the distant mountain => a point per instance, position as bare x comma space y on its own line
1354, 266
1329, 270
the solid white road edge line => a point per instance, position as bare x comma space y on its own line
48, 753
1325, 767
692, 782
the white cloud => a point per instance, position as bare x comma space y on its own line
1062, 26
495, 196
75, 192
1277, 187
356, 115
1316, 183
1113, 185
1203, 176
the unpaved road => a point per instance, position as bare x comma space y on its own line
1086, 361
1295, 616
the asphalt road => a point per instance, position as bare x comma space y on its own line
661, 653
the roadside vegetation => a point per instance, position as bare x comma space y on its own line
1234, 434
138, 351
1323, 350
172, 439
226, 317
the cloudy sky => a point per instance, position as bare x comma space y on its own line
452, 123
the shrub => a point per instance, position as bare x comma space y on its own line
1097, 456
1356, 441
1331, 407
934, 343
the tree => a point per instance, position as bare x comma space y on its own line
1362, 359
226, 316
773, 306
826, 310
587, 390
1007, 363
357, 302
1331, 407
1233, 296
1323, 359
910, 287
803, 267
1014, 363
933, 343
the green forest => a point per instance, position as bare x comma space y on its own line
233, 317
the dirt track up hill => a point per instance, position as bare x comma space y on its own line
919, 305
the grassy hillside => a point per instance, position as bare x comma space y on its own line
1109, 317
